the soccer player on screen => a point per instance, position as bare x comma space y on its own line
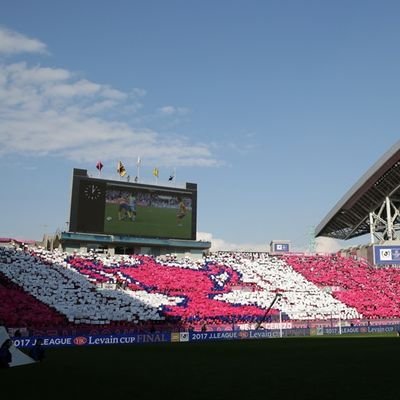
182, 211
123, 209
132, 207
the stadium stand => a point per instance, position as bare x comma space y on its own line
42, 289
22, 310
183, 290
71, 294
301, 299
373, 292
152, 293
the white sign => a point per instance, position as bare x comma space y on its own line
385, 254
184, 336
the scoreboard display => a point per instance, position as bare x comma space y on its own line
132, 209
280, 246
284, 247
386, 254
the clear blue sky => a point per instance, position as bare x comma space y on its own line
275, 108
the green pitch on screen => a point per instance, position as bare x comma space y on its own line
149, 221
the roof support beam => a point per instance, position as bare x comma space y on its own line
383, 224
351, 216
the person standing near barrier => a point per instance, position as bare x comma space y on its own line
5, 354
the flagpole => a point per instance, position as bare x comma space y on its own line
174, 176
138, 168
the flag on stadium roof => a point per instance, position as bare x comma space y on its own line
99, 166
121, 169
156, 172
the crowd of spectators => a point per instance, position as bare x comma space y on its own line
39, 288
300, 299
374, 292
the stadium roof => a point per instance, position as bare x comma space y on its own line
349, 218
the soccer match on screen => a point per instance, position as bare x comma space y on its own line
147, 214
200, 199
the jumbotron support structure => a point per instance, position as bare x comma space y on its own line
371, 206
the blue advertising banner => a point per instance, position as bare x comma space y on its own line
232, 335
166, 337
253, 334
284, 247
349, 330
385, 255
93, 340
296, 332
144, 338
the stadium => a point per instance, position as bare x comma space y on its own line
128, 287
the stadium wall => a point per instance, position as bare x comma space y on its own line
112, 244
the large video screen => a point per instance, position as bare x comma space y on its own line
109, 207
145, 213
